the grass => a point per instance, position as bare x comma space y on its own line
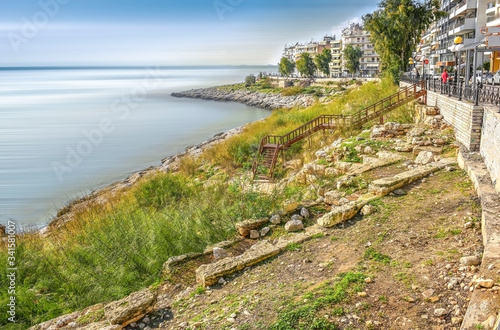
113, 248
304, 315
372, 254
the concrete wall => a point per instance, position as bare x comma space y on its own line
465, 118
490, 143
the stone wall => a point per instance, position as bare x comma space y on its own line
465, 118
490, 143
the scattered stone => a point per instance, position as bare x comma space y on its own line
344, 201
290, 206
219, 253
254, 234
368, 150
332, 197
297, 217
294, 225
427, 293
264, 231
456, 320
399, 192
488, 283
304, 212
222, 281
368, 280
434, 299
470, 261
468, 225
440, 312
362, 294
424, 157
275, 219
244, 227
368, 209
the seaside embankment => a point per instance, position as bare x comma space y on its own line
252, 98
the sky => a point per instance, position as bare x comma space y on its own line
165, 32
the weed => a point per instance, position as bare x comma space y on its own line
318, 235
371, 254
294, 247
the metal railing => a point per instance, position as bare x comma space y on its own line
355, 120
481, 93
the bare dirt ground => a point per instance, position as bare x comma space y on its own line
402, 262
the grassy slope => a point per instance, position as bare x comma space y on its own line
110, 250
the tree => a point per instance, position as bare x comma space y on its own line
323, 60
352, 56
305, 65
395, 30
250, 80
286, 66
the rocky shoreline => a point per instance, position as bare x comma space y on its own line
257, 99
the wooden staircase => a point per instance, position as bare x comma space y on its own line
271, 145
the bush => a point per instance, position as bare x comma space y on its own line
293, 90
250, 80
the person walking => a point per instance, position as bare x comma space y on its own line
444, 76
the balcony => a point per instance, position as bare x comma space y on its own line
493, 20
460, 9
491, 7
463, 26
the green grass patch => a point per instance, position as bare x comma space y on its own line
304, 315
372, 254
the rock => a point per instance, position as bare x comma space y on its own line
333, 197
362, 294
290, 206
440, 312
339, 214
431, 111
368, 280
343, 201
244, 227
209, 274
456, 320
427, 293
424, 157
488, 283
368, 209
131, 308
434, 299
264, 231
368, 150
254, 234
275, 219
297, 217
294, 225
304, 212
470, 261
399, 192
219, 253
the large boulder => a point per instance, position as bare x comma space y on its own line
294, 225
339, 214
131, 308
246, 226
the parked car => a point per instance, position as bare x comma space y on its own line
489, 78
496, 78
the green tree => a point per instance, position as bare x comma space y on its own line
305, 65
396, 28
286, 67
323, 60
352, 56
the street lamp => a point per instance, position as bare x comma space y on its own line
457, 41
411, 63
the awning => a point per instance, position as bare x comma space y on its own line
474, 45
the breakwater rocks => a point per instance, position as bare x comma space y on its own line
261, 100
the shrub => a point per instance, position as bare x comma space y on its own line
250, 80
293, 90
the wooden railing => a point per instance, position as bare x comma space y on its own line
356, 120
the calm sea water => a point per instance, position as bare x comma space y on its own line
67, 132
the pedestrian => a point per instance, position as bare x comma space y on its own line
444, 76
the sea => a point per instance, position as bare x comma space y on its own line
65, 132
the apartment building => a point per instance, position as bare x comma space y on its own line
493, 19
465, 19
356, 36
293, 52
336, 64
